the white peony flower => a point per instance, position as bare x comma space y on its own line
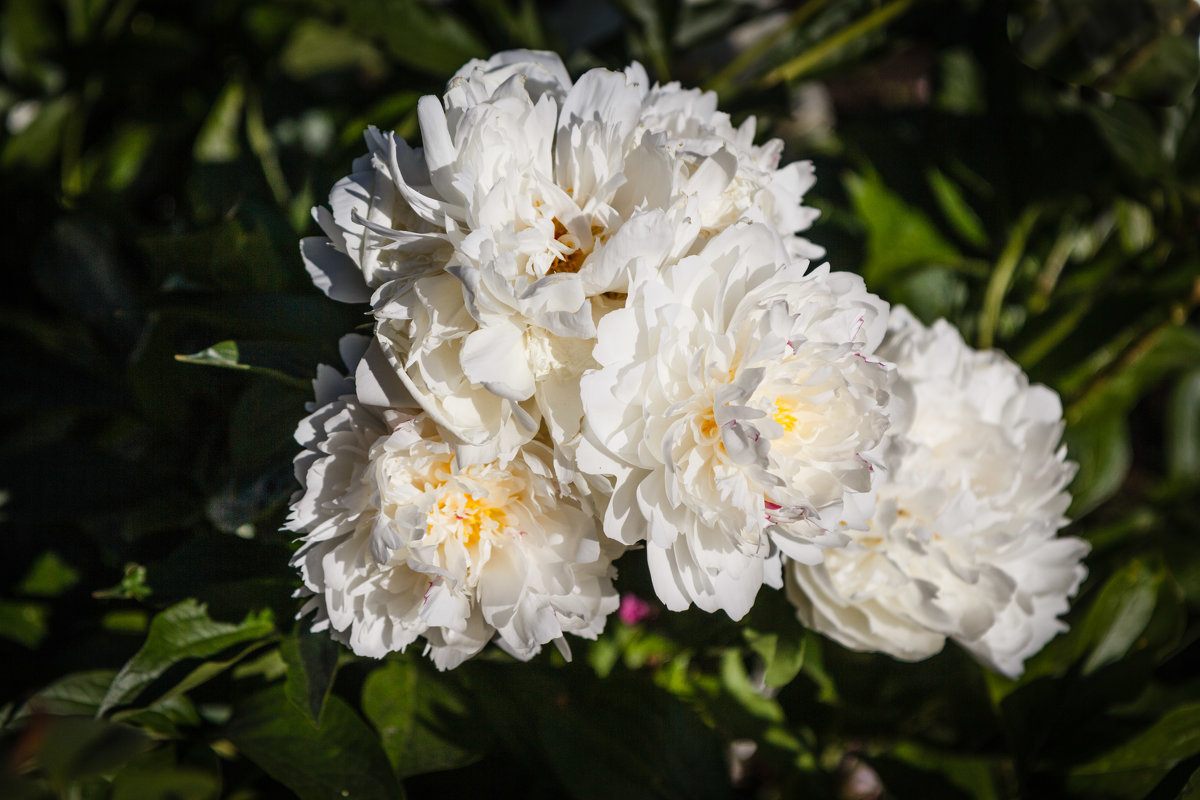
490, 254
400, 540
962, 543
738, 408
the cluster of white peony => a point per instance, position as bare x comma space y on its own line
596, 326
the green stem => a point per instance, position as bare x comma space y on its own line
720, 82
1126, 356
823, 49
1006, 267
264, 148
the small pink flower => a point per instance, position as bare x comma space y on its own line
634, 609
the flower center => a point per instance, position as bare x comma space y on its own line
572, 262
467, 517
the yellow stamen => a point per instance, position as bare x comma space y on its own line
573, 261
473, 516
785, 415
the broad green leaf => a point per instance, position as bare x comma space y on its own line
414, 712
274, 359
899, 236
164, 718
1119, 615
341, 758
316, 48
312, 660
1101, 448
206, 671
77, 747
153, 777
182, 632
420, 35
638, 742
931, 292
1134, 768
80, 693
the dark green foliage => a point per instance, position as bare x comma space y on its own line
159, 161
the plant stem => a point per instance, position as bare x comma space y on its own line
720, 83
1002, 276
821, 50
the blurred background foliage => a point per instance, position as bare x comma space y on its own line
159, 161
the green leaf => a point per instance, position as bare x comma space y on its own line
78, 694
182, 632
782, 654
156, 776
77, 747
164, 718
49, 576
1144, 362
1191, 790
1135, 767
312, 660
341, 758
37, 145
418, 34
218, 139
414, 712
899, 236
275, 359
743, 689
315, 48
958, 212
1101, 448
1120, 615
638, 742
1183, 431
261, 430
1129, 130
1135, 225
125, 620
24, 623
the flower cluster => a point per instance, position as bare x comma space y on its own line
596, 326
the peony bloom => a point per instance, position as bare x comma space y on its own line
491, 253
962, 543
738, 408
400, 540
